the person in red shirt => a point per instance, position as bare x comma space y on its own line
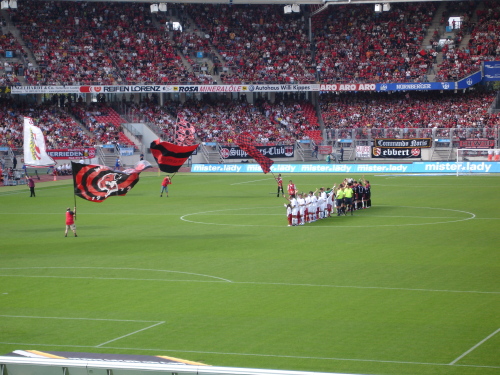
164, 185
292, 190
279, 180
70, 221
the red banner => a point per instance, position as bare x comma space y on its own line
476, 143
348, 87
72, 153
325, 150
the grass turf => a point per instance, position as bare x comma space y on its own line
213, 274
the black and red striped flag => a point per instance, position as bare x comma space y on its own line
170, 157
95, 183
245, 142
184, 132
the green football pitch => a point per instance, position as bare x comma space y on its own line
213, 274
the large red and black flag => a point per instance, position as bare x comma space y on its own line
245, 142
184, 132
170, 157
95, 183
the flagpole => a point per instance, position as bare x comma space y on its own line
74, 186
74, 197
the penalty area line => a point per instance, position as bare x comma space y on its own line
474, 347
255, 355
129, 334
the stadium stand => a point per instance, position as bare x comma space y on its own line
60, 129
99, 43
405, 110
356, 44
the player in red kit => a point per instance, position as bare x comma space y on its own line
279, 180
292, 190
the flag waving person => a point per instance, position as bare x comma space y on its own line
164, 186
70, 221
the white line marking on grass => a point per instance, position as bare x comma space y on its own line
65, 318
115, 268
24, 191
249, 182
249, 282
111, 278
474, 347
129, 334
217, 212
253, 355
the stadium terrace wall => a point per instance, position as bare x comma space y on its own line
132, 89
417, 167
492, 68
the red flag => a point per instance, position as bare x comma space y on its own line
170, 157
95, 183
244, 141
184, 133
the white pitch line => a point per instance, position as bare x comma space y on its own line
65, 318
259, 283
474, 347
249, 182
254, 355
110, 278
129, 334
117, 269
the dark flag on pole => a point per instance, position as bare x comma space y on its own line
184, 132
244, 141
95, 183
170, 157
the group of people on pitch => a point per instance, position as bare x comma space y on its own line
349, 196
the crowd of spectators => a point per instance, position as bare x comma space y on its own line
102, 43
60, 130
424, 112
356, 44
221, 121
103, 132
99, 43
258, 44
346, 115
9, 71
484, 43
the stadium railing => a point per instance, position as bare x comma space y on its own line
49, 366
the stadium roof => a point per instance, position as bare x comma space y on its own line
282, 2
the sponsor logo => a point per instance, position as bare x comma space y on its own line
348, 87
186, 88
224, 153
149, 88
383, 87
89, 89
414, 86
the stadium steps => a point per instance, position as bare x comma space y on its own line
17, 34
114, 118
442, 154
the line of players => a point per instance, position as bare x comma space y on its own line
349, 196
